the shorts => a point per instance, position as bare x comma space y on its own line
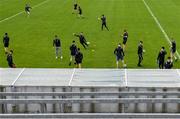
6, 45
103, 24
119, 58
73, 54
173, 50
124, 41
78, 61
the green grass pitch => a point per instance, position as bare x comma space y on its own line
31, 38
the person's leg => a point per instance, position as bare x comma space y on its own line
102, 26
139, 60
6, 49
159, 65
163, 65
124, 46
122, 63
60, 52
56, 52
117, 64
106, 27
79, 65
71, 58
83, 45
86, 44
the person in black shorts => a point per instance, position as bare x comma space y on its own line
161, 58
168, 64
79, 58
75, 8
82, 40
119, 55
173, 50
27, 9
125, 38
10, 59
140, 53
6, 42
104, 24
73, 50
57, 46
80, 15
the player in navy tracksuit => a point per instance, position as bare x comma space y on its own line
10, 59
168, 64
75, 8
82, 40
104, 24
57, 46
125, 38
140, 53
73, 50
27, 9
6, 42
119, 55
79, 58
173, 50
161, 58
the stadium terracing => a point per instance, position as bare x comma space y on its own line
89, 93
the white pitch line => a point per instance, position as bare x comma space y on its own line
8, 18
125, 77
18, 76
72, 76
159, 25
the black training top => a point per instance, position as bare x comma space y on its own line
57, 42
125, 35
103, 19
73, 49
119, 52
161, 55
6, 40
140, 49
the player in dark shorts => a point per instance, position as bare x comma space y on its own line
75, 8
6, 42
173, 50
161, 58
80, 12
104, 24
119, 55
10, 59
27, 9
73, 50
168, 64
79, 58
125, 38
140, 53
82, 40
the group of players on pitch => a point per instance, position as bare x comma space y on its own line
77, 56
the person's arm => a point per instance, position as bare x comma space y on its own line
115, 51
123, 52
85, 39
158, 56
